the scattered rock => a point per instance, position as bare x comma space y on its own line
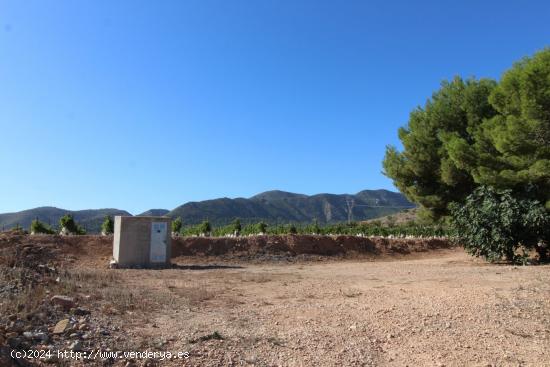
43, 337
61, 326
66, 302
79, 311
251, 359
76, 346
14, 342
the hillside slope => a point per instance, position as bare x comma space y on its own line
154, 213
286, 207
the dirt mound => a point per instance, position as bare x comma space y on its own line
94, 249
302, 244
38, 294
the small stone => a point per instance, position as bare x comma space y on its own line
16, 326
76, 346
252, 359
61, 326
66, 302
43, 337
14, 342
79, 311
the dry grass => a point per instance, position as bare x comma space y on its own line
22, 294
104, 289
257, 278
194, 295
351, 293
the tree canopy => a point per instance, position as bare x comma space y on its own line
177, 224
424, 170
477, 132
67, 222
108, 225
512, 149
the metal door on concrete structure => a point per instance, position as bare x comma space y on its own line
158, 242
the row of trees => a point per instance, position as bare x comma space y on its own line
352, 229
67, 225
477, 156
375, 228
237, 229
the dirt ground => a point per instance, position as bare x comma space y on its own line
443, 309
436, 308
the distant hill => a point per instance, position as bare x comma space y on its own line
403, 217
154, 213
271, 207
89, 219
286, 207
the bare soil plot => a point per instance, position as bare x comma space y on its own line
438, 307
442, 310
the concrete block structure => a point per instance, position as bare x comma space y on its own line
141, 241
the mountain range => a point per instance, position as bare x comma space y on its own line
89, 219
271, 207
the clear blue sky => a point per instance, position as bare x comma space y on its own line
149, 104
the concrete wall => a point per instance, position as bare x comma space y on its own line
132, 241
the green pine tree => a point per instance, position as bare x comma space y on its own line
424, 171
108, 225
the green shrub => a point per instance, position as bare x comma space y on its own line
108, 225
292, 229
39, 227
237, 226
262, 227
314, 228
68, 222
496, 224
176, 225
205, 228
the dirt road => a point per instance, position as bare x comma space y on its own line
444, 309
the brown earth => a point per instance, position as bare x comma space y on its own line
270, 301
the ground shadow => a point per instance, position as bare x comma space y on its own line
205, 267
